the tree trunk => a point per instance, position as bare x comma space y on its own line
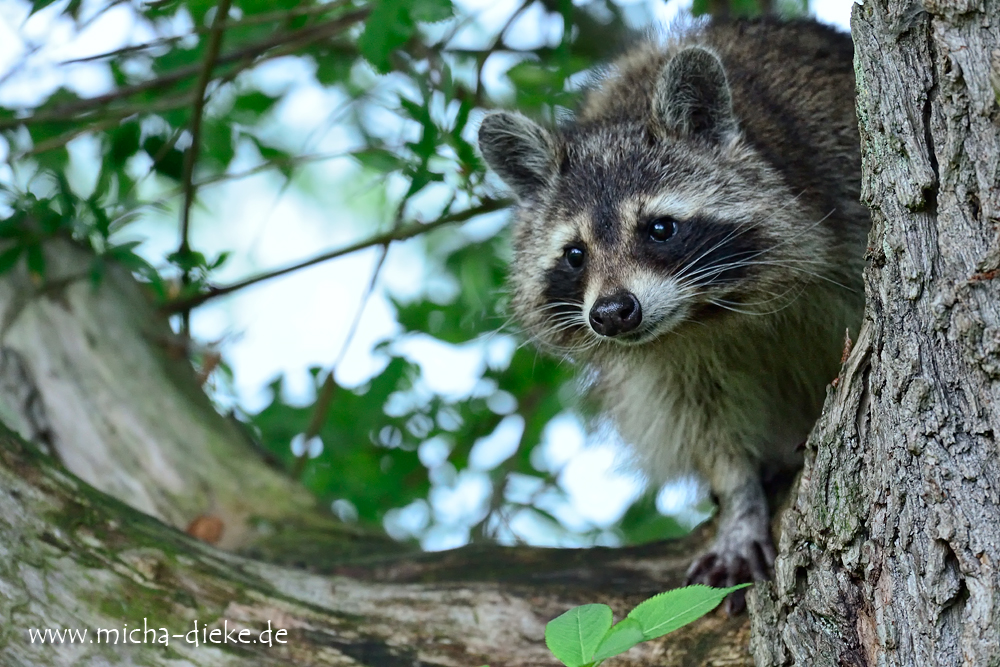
889, 554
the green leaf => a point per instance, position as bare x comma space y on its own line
388, 27
249, 107
9, 257
168, 160
102, 223
38, 5
379, 159
744, 8
36, 260
187, 260
217, 144
392, 23
574, 636
220, 259
179, 58
97, 269
619, 639
643, 523
123, 249
332, 66
124, 143
431, 11
668, 611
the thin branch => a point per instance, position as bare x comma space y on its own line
191, 155
400, 234
107, 123
243, 57
275, 163
32, 49
329, 388
292, 161
257, 19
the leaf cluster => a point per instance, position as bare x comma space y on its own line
585, 636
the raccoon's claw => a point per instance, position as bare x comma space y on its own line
727, 565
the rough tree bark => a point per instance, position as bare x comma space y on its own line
890, 553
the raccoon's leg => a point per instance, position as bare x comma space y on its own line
743, 550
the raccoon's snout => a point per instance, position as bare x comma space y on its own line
616, 314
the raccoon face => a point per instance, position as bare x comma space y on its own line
627, 231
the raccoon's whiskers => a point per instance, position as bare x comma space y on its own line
556, 320
785, 300
712, 271
794, 263
741, 228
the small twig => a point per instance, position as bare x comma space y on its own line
106, 124
191, 156
277, 163
161, 154
257, 19
501, 475
983, 275
401, 234
211, 54
32, 49
848, 346
243, 57
329, 388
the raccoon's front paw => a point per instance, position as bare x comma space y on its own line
732, 560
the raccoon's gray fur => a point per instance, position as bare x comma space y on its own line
695, 237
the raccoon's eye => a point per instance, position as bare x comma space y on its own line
661, 229
574, 257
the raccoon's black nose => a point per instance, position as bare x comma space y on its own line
616, 314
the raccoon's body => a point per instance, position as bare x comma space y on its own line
695, 237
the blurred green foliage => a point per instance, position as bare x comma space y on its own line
372, 435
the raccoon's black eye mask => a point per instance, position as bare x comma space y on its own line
702, 250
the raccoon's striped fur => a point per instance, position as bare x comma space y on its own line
695, 237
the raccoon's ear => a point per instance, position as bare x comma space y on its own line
692, 97
519, 150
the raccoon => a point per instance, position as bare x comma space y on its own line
695, 238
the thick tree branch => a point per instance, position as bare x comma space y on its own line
75, 559
124, 409
889, 549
